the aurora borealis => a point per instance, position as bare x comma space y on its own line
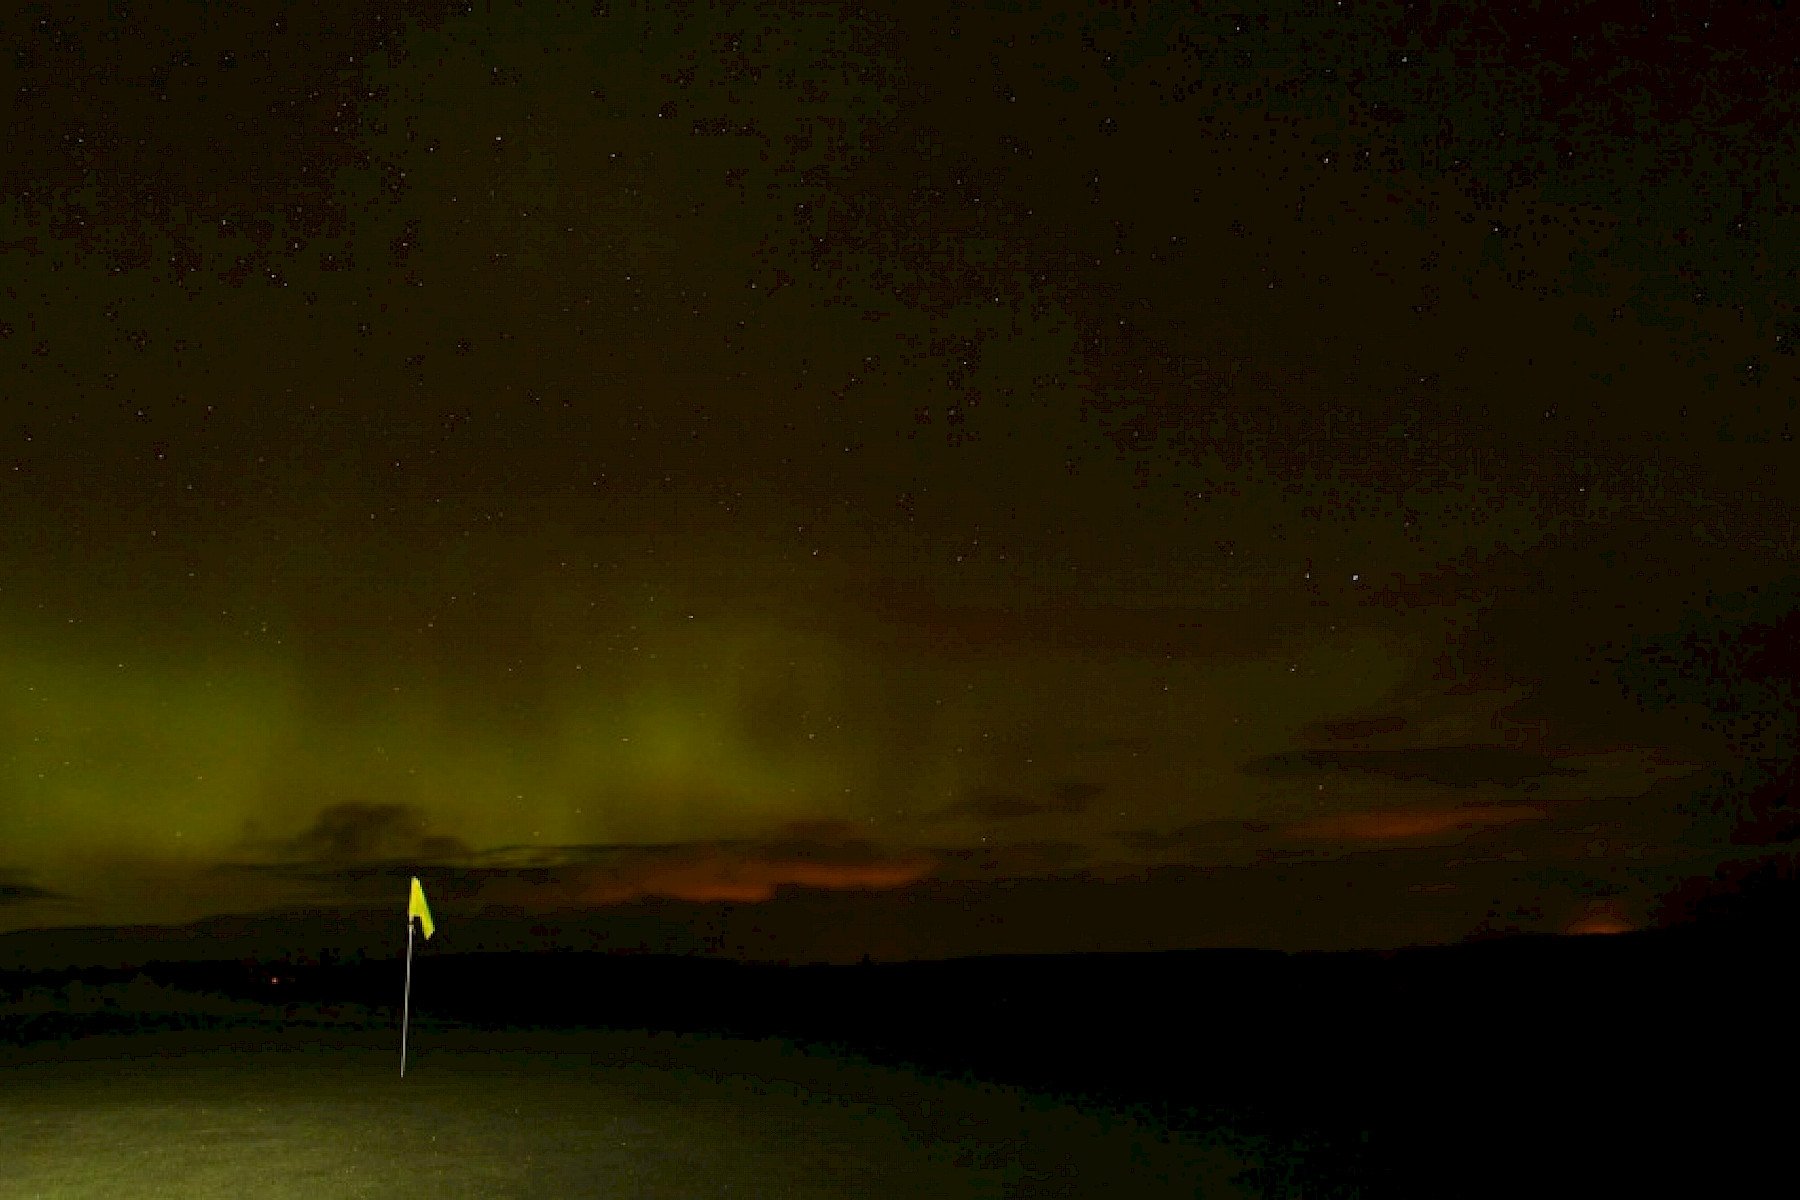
1078, 460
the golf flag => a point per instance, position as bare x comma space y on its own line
417, 907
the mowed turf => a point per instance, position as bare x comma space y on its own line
321, 1114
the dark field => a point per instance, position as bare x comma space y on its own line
1508, 1066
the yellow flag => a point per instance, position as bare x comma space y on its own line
417, 907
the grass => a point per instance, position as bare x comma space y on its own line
141, 1091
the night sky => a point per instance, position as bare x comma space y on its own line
896, 479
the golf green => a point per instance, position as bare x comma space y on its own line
321, 1114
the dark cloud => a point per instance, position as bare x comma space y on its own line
745, 874
358, 832
1199, 835
1452, 766
841, 851
24, 893
1345, 731
824, 830
1011, 860
1075, 795
1407, 824
1070, 797
1219, 841
529, 877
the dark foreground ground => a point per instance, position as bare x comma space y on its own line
1517, 1066
602, 1115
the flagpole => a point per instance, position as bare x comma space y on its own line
406, 1002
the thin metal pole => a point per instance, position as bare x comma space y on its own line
406, 1003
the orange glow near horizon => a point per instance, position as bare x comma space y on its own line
1601, 920
1388, 826
713, 876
